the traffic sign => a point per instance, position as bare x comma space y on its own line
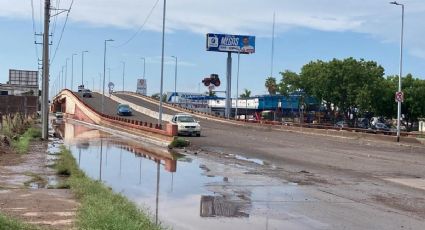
399, 97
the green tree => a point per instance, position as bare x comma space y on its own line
271, 85
246, 94
156, 97
290, 83
343, 83
413, 106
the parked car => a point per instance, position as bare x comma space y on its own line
382, 128
86, 93
124, 110
186, 124
59, 115
341, 124
362, 123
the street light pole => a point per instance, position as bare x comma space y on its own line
162, 64
123, 74
82, 66
104, 70
144, 67
72, 71
401, 68
175, 80
66, 71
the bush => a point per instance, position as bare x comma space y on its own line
179, 143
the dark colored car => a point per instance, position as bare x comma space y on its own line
382, 128
124, 110
86, 93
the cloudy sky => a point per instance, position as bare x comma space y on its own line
305, 30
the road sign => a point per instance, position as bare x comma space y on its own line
244, 44
399, 97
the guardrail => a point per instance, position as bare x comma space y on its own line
281, 124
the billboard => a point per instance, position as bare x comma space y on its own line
231, 43
23, 77
141, 86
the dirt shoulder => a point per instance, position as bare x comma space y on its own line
24, 193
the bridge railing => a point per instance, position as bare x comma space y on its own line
168, 130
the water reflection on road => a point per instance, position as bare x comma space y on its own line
185, 192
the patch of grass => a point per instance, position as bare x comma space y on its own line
22, 142
179, 142
8, 223
100, 208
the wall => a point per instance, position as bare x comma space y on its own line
18, 104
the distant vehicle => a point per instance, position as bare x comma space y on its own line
86, 93
382, 127
80, 88
186, 124
341, 124
59, 115
124, 110
362, 123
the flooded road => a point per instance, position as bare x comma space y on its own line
186, 192
227, 191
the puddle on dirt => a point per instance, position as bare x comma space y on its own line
187, 192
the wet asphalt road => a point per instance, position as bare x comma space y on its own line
111, 107
357, 174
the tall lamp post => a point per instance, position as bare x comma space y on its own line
66, 71
144, 67
123, 74
399, 100
72, 71
162, 64
104, 70
82, 66
175, 80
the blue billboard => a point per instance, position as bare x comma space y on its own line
231, 43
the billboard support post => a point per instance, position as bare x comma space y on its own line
241, 44
228, 110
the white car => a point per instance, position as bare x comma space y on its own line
187, 125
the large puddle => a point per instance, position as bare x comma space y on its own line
187, 192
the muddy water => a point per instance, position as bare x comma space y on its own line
187, 192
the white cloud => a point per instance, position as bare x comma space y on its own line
375, 17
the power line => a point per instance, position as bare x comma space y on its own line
54, 22
141, 27
63, 30
34, 30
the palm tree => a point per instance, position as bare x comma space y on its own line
271, 85
246, 94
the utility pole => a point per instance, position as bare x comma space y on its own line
45, 83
